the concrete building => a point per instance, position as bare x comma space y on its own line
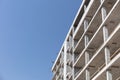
91, 50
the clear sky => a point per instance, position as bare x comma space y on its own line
31, 35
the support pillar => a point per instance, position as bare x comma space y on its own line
107, 60
65, 60
105, 37
85, 7
86, 39
87, 56
105, 33
85, 25
107, 53
87, 74
109, 75
104, 13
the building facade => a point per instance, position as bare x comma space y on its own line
91, 50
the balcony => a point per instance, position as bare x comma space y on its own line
113, 34
89, 13
113, 66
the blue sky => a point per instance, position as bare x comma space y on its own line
31, 35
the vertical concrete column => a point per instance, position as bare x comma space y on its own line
85, 7
73, 67
104, 13
109, 75
107, 53
87, 76
87, 72
65, 60
86, 40
87, 57
105, 37
85, 25
72, 36
105, 33
70, 42
107, 60
73, 42
72, 55
73, 29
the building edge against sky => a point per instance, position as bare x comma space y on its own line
91, 50
67, 35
